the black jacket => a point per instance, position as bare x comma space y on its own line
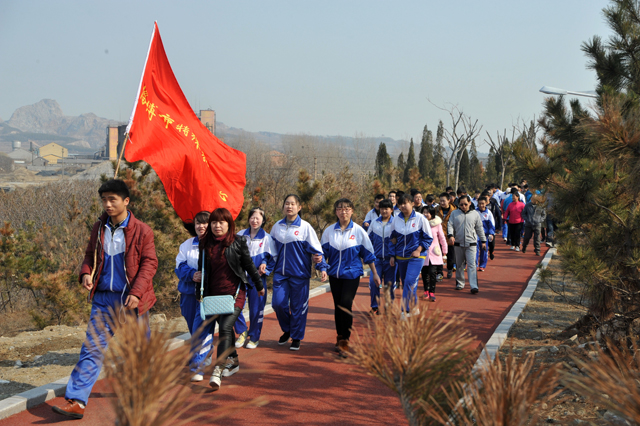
494, 208
239, 261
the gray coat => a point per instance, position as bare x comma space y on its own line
534, 215
466, 228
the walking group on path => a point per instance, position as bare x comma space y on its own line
402, 239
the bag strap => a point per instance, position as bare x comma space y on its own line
202, 276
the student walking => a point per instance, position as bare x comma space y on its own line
412, 236
432, 268
294, 242
120, 278
443, 211
374, 213
534, 216
380, 236
224, 263
344, 244
260, 244
513, 216
488, 225
464, 231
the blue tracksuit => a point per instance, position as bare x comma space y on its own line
482, 255
380, 234
410, 233
186, 266
260, 251
111, 293
370, 217
292, 247
343, 250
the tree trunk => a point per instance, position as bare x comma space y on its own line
504, 168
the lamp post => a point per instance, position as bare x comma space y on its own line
555, 91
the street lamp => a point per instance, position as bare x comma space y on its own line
555, 91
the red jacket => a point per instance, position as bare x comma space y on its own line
514, 212
140, 259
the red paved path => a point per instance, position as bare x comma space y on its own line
308, 387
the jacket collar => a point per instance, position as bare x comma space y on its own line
411, 216
337, 225
260, 235
435, 221
296, 222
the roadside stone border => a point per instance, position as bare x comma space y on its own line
36, 396
500, 334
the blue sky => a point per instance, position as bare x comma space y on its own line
323, 67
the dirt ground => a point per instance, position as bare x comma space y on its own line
30, 358
545, 328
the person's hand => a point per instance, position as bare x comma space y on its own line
262, 269
376, 280
262, 292
451, 241
323, 276
86, 282
317, 258
416, 253
483, 246
392, 261
490, 238
131, 302
197, 277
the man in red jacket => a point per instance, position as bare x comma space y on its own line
118, 269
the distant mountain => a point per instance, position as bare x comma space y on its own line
46, 117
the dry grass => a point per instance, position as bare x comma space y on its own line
420, 358
151, 384
609, 378
502, 394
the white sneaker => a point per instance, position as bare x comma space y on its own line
513, 247
252, 345
517, 248
242, 338
216, 378
197, 378
231, 366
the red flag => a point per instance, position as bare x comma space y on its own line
198, 170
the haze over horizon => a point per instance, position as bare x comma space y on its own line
330, 68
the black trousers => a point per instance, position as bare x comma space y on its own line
429, 273
515, 229
227, 337
343, 292
451, 258
492, 244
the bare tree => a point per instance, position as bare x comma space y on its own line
462, 132
503, 150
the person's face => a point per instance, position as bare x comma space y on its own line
219, 228
406, 208
417, 200
376, 204
427, 215
392, 198
482, 205
463, 204
255, 221
201, 228
385, 213
344, 212
444, 202
113, 204
291, 207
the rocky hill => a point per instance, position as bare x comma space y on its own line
46, 117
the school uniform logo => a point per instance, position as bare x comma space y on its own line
260, 245
353, 237
296, 233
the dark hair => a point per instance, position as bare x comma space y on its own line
444, 194
257, 209
485, 199
405, 198
461, 190
448, 189
484, 194
291, 195
429, 198
339, 202
429, 210
413, 192
202, 217
218, 215
379, 197
385, 204
416, 193
514, 191
452, 195
464, 197
526, 186
116, 186
399, 194
393, 192
477, 191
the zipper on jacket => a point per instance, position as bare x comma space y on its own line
113, 249
284, 251
340, 255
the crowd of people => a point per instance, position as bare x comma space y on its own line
402, 239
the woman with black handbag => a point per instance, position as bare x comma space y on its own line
224, 263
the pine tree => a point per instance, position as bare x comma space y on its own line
383, 161
411, 163
464, 169
401, 164
425, 160
475, 168
589, 164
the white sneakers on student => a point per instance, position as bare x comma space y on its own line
242, 338
252, 345
216, 378
197, 378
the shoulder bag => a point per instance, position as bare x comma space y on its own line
215, 305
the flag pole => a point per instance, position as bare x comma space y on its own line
124, 145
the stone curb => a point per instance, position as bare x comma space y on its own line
36, 396
500, 334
